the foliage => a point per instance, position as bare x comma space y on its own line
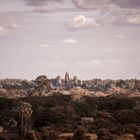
112, 115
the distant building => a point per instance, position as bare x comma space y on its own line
67, 78
75, 80
80, 83
86, 120
88, 85
58, 79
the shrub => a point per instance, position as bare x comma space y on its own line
79, 134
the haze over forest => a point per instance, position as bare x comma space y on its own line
87, 38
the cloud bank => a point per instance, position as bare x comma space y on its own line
42, 5
40, 2
103, 4
82, 22
91, 4
113, 11
118, 12
127, 3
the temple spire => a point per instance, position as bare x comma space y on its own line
67, 78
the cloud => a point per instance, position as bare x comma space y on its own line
133, 19
12, 25
120, 36
56, 64
106, 4
118, 12
45, 8
82, 63
127, 3
70, 41
120, 16
59, 63
125, 16
3, 31
91, 4
36, 2
42, 5
115, 61
96, 62
40, 2
116, 16
45, 46
89, 63
82, 22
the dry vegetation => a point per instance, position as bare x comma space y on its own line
59, 114
33, 116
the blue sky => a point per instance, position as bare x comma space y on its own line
87, 38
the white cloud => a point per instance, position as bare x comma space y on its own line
115, 61
124, 16
95, 62
59, 63
104, 4
45, 46
81, 22
82, 63
91, 4
13, 25
3, 31
128, 11
120, 36
119, 16
89, 63
116, 16
56, 64
44, 8
113, 11
133, 19
70, 41
6, 28
127, 3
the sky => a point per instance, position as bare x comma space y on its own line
87, 38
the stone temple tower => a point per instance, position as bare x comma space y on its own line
58, 78
67, 78
75, 80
